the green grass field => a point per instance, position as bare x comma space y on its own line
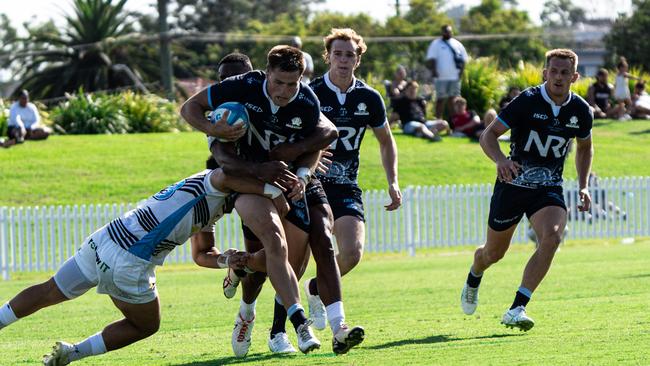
127, 168
590, 310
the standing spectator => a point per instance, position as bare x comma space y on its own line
468, 123
309, 62
411, 111
24, 122
446, 58
621, 87
513, 92
599, 97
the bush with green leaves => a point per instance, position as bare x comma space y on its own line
149, 113
89, 114
482, 84
4, 117
523, 76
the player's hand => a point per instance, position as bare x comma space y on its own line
585, 200
238, 259
297, 191
286, 152
395, 197
281, 205
324, 163
276, 173
507, 170
221, 129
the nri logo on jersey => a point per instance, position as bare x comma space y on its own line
555, 143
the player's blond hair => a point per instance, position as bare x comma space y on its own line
344, 34
563, 53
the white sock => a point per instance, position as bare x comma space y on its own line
335, 315
247, 311
91, 346
7, 315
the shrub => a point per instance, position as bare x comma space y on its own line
149, 113
482, 84
4, 117
88, 114
581, 86
524, 76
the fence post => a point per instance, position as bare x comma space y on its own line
4, 227
407, 198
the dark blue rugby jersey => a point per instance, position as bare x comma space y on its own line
351, 111
541, 132
270, 125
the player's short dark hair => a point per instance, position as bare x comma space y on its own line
285, 58
236, 58
211, 163
344, 34
563, 53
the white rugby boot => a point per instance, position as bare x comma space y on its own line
469, 299
280, 344
317, 312
241, 335
230, 283
307, 341
59, 355
346, 338
517, 318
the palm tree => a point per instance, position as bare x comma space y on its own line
84, 55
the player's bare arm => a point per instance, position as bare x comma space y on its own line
205, 254
322, 136
193, 111
272, 172
388, 151
584, 156
507, 169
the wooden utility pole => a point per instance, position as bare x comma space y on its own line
397, 11
165, 52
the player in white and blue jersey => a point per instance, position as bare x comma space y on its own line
119, 259
353, 107
543, 121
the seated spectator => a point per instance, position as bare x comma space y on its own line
24, 122
599, 97
411, 111
513, 92
640, 101
396, 86
468, 123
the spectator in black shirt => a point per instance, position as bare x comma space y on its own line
411, 111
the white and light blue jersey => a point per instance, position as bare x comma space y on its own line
169, 218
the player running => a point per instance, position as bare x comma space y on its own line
543, 120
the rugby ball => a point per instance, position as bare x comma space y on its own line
238, 114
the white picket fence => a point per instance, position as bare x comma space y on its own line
41, 238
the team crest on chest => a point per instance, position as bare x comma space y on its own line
573, 122
361, 110
296, 123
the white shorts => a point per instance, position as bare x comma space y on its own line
116, 272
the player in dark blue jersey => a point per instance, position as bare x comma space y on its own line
280, 110
353, 106
543, 120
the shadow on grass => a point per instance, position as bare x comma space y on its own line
643, 275
437, 339
639, 132
259, 357
602, 122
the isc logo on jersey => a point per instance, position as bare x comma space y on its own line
554, 143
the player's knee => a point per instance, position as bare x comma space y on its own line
353, 254
149, 328
551, 239
492, 256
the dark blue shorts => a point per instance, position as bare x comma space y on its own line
345, 200
509, 203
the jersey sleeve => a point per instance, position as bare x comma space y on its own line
229, 90
513, 112
586, 122
377, 111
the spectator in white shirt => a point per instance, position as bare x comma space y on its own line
446, 58
24, 122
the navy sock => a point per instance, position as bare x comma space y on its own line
472, 280
298, 318
313, 286
522, 297
279, 319
240, 273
